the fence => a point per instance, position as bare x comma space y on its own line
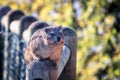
16, 29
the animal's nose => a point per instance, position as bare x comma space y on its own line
57, 39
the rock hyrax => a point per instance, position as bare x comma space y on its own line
46, 43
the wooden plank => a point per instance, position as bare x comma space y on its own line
17, 27
69, 71
64, 59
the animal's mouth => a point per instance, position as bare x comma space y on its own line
54, 43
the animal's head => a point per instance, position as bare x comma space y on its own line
51, 36
54, 35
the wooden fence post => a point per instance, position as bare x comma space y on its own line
6, 20
45, 70
69, 71
41, 70
3, 11
17, 27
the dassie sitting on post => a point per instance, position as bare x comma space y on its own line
45, 44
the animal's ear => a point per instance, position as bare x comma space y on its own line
47, 30
59, 27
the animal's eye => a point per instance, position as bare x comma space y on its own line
52, 34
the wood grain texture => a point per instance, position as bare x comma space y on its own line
41, 70
3, 11
64, 59
69, 72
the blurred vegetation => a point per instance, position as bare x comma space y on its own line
97, 24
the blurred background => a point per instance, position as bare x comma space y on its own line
97, 24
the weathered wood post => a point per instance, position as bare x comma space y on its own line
69, 71
6, 20
17, 27
3, 11
45, 70
24, 23
1, 55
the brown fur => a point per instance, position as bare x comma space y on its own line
40, 47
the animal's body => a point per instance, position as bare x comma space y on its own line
46, 43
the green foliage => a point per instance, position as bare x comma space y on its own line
100, 44
97, 24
